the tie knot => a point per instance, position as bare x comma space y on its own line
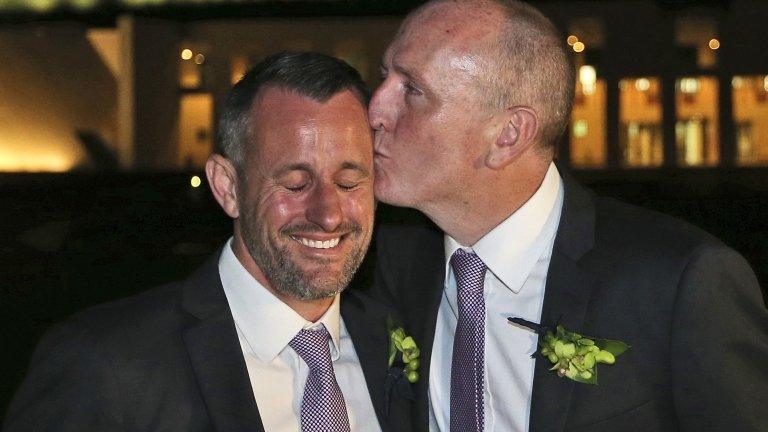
469, 270
312, 347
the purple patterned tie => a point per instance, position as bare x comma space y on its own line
467, 372
322, 407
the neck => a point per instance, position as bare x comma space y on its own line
310, 310
473, 215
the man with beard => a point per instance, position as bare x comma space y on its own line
475, 96
258, 338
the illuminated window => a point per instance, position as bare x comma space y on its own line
640, 120
239, 67
588, 130
191, 60
195, 130
586, 37
696, 129
750, 115
697, 41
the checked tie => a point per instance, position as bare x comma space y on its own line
322, 407
467, 365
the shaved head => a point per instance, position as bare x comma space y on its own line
521, 53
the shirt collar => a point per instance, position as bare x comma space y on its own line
512, 248
268, 324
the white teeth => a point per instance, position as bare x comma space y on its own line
317, 244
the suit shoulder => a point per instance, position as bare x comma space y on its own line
637, 227
396, 225
134, 321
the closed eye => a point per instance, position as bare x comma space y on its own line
348, 186
297, 188
410, 89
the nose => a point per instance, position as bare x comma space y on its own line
324, 209
381, 108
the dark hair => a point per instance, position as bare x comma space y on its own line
309, 74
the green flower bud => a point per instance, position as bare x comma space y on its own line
572, 371
585, 374
587, 342
553, 357
415, 352
412, 376
406, 357
569, 350
559, 346
408, 343
605, 357
412, 365
589, 360
397, 334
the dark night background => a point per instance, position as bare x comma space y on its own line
75, 239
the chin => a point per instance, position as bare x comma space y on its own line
383, 191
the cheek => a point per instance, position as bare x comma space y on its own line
280, 210
359, 206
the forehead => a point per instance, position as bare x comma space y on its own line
452, 35
459, 25
288, 127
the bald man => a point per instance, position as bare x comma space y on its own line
475, 96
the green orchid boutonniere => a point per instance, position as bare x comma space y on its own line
574, 356
403, 365
403, 350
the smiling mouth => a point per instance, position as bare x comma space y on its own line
318, 244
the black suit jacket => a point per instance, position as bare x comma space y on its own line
169, 359
690, 307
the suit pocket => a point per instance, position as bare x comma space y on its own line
648, 416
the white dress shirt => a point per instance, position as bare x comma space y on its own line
265, 326
517, 253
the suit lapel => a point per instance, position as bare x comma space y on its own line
426, 278
365, 321
566, 300
215, 353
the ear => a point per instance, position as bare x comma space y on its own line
222, 178
516, 137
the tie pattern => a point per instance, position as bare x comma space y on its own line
467, 367
322, 407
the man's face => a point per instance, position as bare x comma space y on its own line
428, 114
305, 192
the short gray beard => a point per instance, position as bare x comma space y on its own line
287, 278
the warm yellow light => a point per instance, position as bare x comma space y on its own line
737, 82
714, 44
83, 4
186, 54
588, 79
42, 5
689, 85
642, 84
579, 46
199, 59
35, 161
572, 40
765, 83
195, 181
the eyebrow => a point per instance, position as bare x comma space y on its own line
408, 74
355, 167
293, 167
